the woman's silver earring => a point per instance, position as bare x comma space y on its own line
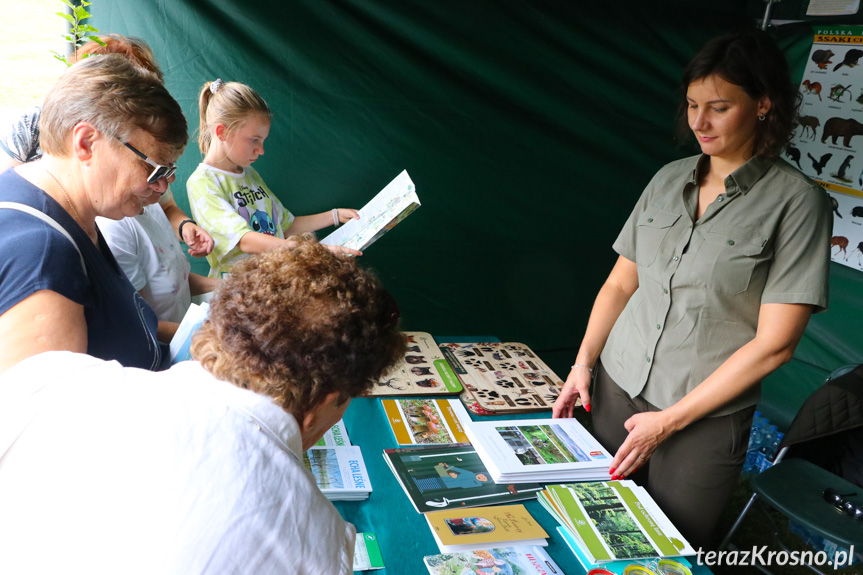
762, 117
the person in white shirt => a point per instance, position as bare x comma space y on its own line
147, 249
198, 469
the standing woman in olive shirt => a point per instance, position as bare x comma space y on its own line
721, 263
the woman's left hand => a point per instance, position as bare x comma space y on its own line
347, 214
646, 431
199, 241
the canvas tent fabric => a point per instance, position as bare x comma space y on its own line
529, 128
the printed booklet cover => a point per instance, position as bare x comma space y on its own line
678, 565
423, 421
450, 476
501, 378
542, 450
485, 528
390, 206
422, 371
614, 520
340, 472
337, 435
504, 560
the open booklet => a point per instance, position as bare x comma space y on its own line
614, 520
390, 206
540, 450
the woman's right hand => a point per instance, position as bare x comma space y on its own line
576, 391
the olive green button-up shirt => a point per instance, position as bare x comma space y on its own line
701, 282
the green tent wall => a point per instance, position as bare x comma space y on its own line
529, 128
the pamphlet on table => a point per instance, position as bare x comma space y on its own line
451, 476
613, 521
524, 560
541, 450
672, 566
501, 378
340, 472
367, 553
485, 528
423, 421
422, 371
390, 206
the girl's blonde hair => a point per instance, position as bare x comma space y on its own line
228, 104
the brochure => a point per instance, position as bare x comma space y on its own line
450, 476
501, 378
367, 553
524, 560
613, 521
335, 436
423, 371
340, 472
182, 340
676, 566
541, 450
390, 206
423, 421
485, 528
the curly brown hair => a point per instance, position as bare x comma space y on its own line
297, 324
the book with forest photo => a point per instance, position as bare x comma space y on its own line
614, 520
542, 450
340, 472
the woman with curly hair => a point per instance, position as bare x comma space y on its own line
198, 469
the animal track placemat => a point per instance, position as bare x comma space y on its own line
828, 142
423, 371
502, 378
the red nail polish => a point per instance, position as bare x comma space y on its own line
611, 471
587, 408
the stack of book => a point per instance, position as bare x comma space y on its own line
612, 521
338, 466
540, 450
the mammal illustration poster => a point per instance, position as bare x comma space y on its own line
828, 141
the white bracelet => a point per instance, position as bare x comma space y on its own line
590, 369
336, 217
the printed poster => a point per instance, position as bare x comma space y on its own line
828, 141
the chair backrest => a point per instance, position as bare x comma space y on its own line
828, 428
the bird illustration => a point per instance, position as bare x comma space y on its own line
835, 203
794, 154
851, 59
822, 58
819, 164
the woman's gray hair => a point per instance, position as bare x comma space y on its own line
114, 96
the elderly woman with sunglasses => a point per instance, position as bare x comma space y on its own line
60, 286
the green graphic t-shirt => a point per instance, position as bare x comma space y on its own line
229, 206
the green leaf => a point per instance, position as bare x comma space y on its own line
81, 13
68, 3
86, 28
66, 17
97, 40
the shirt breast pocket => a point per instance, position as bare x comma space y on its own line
653, 226
728, 256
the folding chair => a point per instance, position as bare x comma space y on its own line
822, 449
